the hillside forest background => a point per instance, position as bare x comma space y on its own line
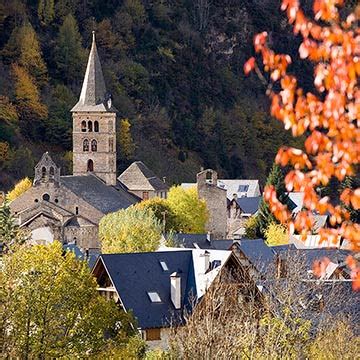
174, 68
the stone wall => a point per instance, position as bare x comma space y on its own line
216, 202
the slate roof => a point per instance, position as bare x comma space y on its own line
258, 253
191, 241
134, 275
139, 177
93, 96
249, 205
94, 191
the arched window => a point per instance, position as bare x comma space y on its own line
90, 165
96, 126
90, 126
52, 172
93, 145
46, 197
86, 145
83, 126
43, 172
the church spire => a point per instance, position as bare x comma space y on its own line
93, 96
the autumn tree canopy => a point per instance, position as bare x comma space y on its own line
328, 117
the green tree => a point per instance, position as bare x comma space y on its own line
10, 234
129, 230
46, 11
265, 217
50, 306
69, 54
162, 211
191, 211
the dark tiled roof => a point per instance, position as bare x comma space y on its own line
136, 274
139, 177
249, 205
189, 241
105, 198
258, 253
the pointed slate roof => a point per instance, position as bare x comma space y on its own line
93, 96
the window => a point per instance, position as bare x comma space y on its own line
96, 126
243, 188
164, 266
43, 172
46, 197
76, 210
90, 165
52, 172
83, 126
93, 145
86, 145
145, 195
153, 334
154, 297
89, 126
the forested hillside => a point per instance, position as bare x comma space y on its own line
174, 68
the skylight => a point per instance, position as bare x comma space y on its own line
243, 188
154, 297
164, 266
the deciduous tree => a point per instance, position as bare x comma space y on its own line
328, 116
129, 230
191, 211
19, 188
50, 306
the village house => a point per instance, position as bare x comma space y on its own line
69, 208
159, 287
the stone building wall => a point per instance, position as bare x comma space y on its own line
104, 158
216, 202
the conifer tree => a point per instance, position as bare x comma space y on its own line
9, 231
46, 12
265, 217
69, 54
24, 49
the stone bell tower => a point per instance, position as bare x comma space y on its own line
94, 125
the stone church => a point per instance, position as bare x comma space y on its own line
69, 208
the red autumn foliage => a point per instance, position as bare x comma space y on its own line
329, 117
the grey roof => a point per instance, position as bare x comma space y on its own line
191, 240
258, 253
93, 96
139, 177
135, 274
94, 191
249, 205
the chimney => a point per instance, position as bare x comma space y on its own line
205, 257
175, 289
209, 237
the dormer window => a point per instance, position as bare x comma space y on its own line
154, 297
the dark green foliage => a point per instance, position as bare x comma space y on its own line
173, 71
265, 217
